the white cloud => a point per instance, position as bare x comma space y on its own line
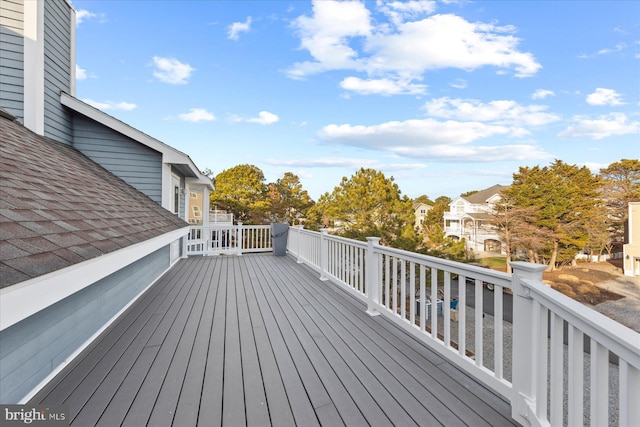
170, 70
459, 84
81, 74
111, 105
239, 27
82, 15
382, 86
264, 118
619, 47
434, 140
390, 136
323, 162
399, 11
325, 35
594, 167
503, 112
197, 115
449, 41
542, 94
342, 36
603, 96
614, 124
405, 166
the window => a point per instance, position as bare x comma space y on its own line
196, 208
175, 194
176, 199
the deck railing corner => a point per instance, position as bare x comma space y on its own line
523, 400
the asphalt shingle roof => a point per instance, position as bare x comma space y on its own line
59, 208
483, 195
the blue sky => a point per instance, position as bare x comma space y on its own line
445, 96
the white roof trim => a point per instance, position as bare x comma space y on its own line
201, 180
21, 300
169, 154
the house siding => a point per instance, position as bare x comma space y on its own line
57, 70
34, 347
12, 57
134, 163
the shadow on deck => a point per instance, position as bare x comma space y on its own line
260, 340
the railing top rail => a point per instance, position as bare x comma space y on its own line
621, 340
351, 242
496, 277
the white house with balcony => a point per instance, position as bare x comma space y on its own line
469, 218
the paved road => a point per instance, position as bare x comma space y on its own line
487, 300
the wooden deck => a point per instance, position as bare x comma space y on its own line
259, 340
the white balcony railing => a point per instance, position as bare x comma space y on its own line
538, 357
218, 239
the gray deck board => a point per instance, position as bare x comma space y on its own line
418, 370
260, 340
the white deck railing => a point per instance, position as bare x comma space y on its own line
540, 357
218, 239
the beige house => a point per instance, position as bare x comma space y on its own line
420, 210
631, 251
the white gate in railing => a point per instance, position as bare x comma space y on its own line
536, 358
228, 239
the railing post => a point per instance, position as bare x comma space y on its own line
185, 244
371, 279
524, 342
299, 238
324, 254
239, 238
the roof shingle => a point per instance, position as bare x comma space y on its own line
59, 208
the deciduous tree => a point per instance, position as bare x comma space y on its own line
241, 190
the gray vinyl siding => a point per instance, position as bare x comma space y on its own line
32, 348
134, 163
12, 57
57, 70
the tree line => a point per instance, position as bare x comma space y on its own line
547, 215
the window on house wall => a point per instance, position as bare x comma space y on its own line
196, 207
176, 199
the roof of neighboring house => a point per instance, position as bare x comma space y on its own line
483, 195
59, 208
416, 205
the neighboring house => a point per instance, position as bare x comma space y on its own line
92, 211
469, 218
631, 251
420, 210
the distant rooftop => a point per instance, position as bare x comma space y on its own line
483, 195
